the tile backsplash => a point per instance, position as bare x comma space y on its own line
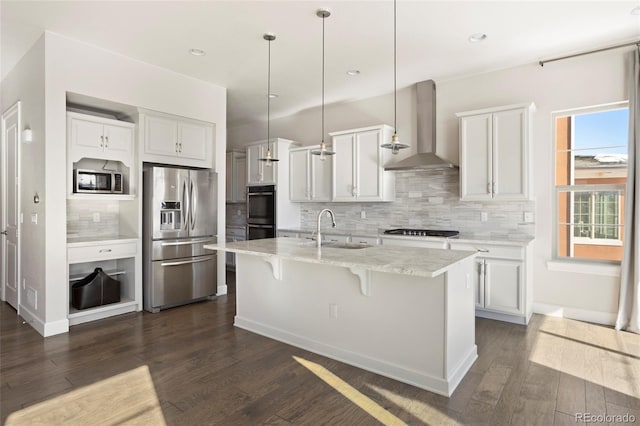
428, 199
236, 214
82, 216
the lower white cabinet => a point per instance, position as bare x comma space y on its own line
439, 243
120, 258
501, 280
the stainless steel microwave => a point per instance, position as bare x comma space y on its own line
97, 181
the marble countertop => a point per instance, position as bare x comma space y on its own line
416, 261
103, 239
464, 237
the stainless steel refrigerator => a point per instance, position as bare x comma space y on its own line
180, 217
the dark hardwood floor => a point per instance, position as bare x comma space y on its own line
191, 366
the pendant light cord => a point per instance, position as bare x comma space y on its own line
269, 99
395, 88
322, 138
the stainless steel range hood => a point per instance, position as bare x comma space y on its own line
425, 159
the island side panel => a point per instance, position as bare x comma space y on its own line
397, 331
461, 349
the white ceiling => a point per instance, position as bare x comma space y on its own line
432, 41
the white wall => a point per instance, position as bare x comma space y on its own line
588, 80
25, 83
584, 81
72, 66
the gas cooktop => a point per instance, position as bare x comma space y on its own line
422, 232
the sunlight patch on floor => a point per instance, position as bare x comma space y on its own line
128, 398
420, 410
596, 354
351, 393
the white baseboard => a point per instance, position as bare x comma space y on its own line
605, 318
45, 329
397, 372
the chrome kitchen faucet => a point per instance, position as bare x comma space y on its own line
333, 223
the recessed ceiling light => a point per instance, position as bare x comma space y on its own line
477, 37
353, 72
197, 52
635, 10
272, 95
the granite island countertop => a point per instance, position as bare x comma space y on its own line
415, 261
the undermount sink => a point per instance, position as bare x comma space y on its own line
334, 244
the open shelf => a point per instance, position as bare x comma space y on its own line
78, 277
77, 316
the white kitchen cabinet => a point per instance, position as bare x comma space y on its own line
236, 178
358, 166
495, 157
258, 172
501, 280
119, 258
433, 242
309, 176
100, 138
175, 140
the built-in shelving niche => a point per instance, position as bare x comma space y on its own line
120, 269
103, 166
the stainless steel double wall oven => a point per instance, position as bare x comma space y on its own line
261, 212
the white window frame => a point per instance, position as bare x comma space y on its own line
557, 189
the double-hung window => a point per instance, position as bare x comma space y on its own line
590, 181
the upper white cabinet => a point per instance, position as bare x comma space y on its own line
236, 181
176, 140
309, 176
100, 138
495, 153
358, 166
258, 172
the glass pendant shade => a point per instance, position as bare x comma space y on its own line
395, 146
323, 152
268, 158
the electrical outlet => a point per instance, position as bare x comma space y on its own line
363, 214
34, 218
528, 217
96, 217
333, 310
483, 216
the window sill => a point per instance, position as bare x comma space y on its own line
591, 268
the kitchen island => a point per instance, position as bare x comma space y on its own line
402, 312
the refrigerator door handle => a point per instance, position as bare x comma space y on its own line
194, 204
186, 243
186, 262
185, 206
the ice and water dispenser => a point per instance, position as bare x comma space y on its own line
170, 215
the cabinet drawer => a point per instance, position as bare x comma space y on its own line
101, 252
439, 243
333, 238
491, 250
372, 241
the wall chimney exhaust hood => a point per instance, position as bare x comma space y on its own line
425, 159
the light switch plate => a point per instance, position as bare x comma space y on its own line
528, 217
34, 218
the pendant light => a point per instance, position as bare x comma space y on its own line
268, 157
323, 152
395, 146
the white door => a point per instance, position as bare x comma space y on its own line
254, 165
87, 135
118, 141
508, 154
503, 286
11, 202
344, 188
193, 141
475, 157
299, 175
369, 177
161, 136
321, 178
